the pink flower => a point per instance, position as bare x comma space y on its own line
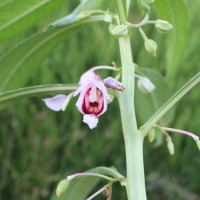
92, 101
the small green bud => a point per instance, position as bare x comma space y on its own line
198, 144
162, 25
170, 147
152, 135
150, 46
84, 15
145, 85
119, 30
62, 186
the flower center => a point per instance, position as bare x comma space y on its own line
93, 101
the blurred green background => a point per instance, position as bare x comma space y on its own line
38, 146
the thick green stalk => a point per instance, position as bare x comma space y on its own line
133, 138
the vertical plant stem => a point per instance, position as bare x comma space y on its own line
133, 138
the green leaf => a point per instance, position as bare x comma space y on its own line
148, 104
83, 6
19, 15
177, 14
24, 60
170, 103
81, 187
35, 91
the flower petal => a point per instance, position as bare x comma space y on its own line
79, 103
87, 76
91, 120
55, 103
101, 86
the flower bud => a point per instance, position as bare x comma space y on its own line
150, 46
198, 144
145, 85
114, 84
162, 25
62, 186
170, 147
151, 135
119, 30
84, 15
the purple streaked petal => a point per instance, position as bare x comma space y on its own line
55, 103
91, 120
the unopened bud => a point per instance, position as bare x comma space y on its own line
198, 144
150, 46
119, 30
114, 84
151, 135
170, 147
84, 15
162, 25
145, 85
62, 186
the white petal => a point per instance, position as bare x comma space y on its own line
86, 76
91, 120
93, 94
55, 103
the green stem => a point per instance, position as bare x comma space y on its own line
133, 138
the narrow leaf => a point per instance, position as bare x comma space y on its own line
83, 6
171, 102
36, 90
24, 60
17, 16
